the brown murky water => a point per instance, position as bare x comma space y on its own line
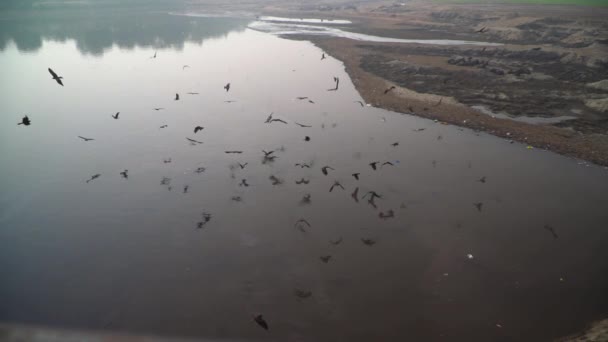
126, 254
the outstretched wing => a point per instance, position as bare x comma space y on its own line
53, 73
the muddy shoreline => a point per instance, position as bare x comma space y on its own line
551, 66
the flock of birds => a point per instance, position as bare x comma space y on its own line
268, 157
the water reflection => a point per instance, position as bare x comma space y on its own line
97, 31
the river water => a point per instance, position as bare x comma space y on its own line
519, 256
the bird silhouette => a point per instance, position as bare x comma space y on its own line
186, 189
233, 152
395, 144
115, 116
387, 163
302, 125
419, 129
361, 103
356, 175
157, 109
482, 179
325, 168
194, 142
206, 219
269, 118
167, 160
389, 214
164, 126
439, 137
551, 230
439, 102
165, 181
185, 66
322, 56
57, 79
302, 294
86, 139
275, 180
125, 174
176, 97
336, 184
355, 195
337, 81
336, 241
278, 120
307, 138
301, 165
192, 93
373, 195
198, 129
368, 242
482, 30
311, 101
199, 170
267, 153
227, 87
389, 89
237, 198
259, 319
25, 121
242, 166
478, 205
302, 181
325, 258
154, 55
305, 199
373, 165
93, 177
244, 183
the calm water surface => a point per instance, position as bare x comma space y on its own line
126, 254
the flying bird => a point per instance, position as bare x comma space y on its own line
275, 180
242, 166
176, 97
322, 56
368, 242
85, 139
125, 174
389, 214
259, 319
302, 293
303, 165
25, 121
373, 165
336, 241
56, 78
361, 103
387, 163
355, 195
395, 144
301, 125
336, 184
185, 66
551, 230
389, 89
267, 153
157, 109
227, 87
325, 168
95, 176
164, 126
325, 258
478, 205
307, 138
482, 30
438, 103
194, 142
198, 129
154, 55
244, 183
186, 189
233, 152
302, 97
482, 179
115, 116
269, 118
356, 175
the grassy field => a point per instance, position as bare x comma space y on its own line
542, 2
